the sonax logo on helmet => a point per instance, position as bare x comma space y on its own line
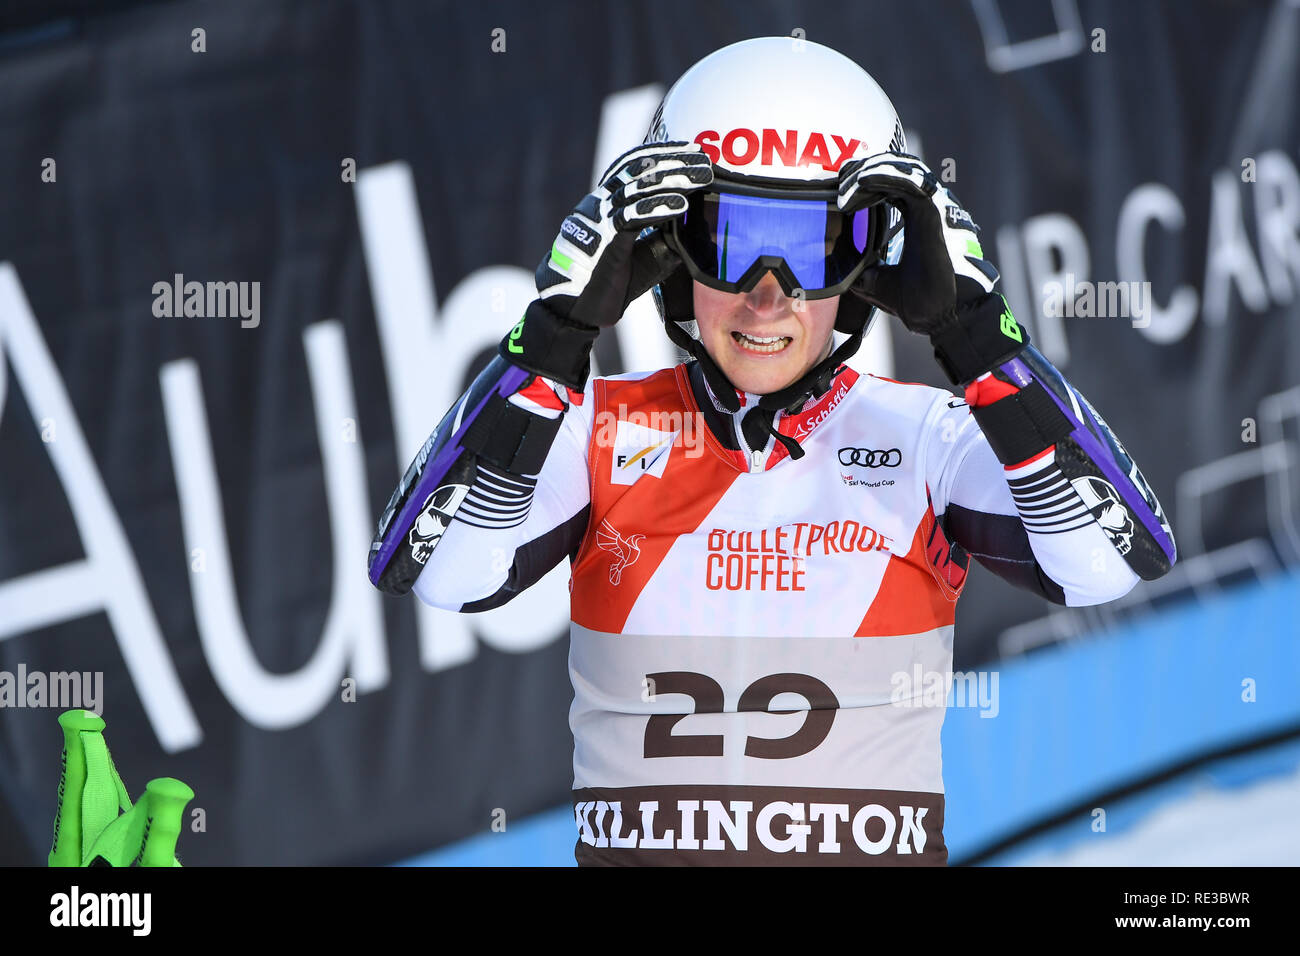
741, 147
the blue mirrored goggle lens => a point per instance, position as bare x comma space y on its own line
725, 234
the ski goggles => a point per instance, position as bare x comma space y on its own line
729, 238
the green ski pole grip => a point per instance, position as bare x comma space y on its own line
66, 849
165, 799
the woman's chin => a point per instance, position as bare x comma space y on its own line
756, 372
761, 381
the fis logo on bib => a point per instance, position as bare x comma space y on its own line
639, 450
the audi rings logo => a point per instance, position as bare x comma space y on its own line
871, 457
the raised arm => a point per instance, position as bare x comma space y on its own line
495, 498
1030, 445
498, 494
1072, 520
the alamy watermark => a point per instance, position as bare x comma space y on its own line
639, 437
208, 300
63, 690
76, 908
1085, 299
922, 688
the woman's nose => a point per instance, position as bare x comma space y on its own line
767, 298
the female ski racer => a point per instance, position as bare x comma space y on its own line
744, 603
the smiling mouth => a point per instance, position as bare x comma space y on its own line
765, 344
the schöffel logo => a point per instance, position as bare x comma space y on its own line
807, 421
740, 147
871, 457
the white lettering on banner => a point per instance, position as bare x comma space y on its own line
1050, 238
1153, 202
1053, 247
1229, 259
108, 579
1277, 216
352, 641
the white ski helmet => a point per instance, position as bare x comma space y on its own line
778, 117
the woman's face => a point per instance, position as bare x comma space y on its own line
796, 339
